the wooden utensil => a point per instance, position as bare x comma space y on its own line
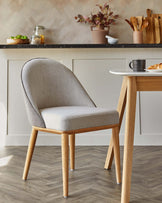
144, 24
157, 30
150, 27
153, 32
159, 16
149, 12
139, 19
134, 23
129, 24
160, 24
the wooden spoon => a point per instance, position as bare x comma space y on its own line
149, 12
129, 23
134, 23
144, 24
139, 19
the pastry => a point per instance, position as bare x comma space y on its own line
156, 66
160, 66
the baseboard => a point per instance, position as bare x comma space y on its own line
100, 138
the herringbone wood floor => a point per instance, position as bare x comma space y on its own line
88, 183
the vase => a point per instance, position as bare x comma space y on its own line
99, 33
137, 37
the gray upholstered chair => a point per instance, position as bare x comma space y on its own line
57, 103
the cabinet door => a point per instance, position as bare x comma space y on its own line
17, 117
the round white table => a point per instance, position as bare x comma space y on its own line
132, 82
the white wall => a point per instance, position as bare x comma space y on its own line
21, 16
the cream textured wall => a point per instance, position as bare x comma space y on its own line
20, 17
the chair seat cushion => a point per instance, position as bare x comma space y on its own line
78, 117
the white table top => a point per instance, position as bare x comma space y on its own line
131, 73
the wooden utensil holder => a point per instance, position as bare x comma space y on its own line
137, 37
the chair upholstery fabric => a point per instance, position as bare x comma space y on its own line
78, 117
55, 98
48, 83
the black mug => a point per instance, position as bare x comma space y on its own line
138, 65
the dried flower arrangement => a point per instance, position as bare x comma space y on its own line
103, 18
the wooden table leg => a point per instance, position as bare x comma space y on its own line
129, 138
110, 155
120, 109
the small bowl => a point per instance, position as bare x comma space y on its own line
17, 41
111, 40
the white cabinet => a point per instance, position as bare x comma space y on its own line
91, 66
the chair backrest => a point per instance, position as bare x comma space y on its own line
48, 83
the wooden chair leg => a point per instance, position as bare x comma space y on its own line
72, 152
110, 156
115, 137
31, 146
65, 163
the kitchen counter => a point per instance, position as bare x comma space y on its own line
51, 46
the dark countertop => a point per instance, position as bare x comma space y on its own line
51, 46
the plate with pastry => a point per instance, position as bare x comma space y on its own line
155, 68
